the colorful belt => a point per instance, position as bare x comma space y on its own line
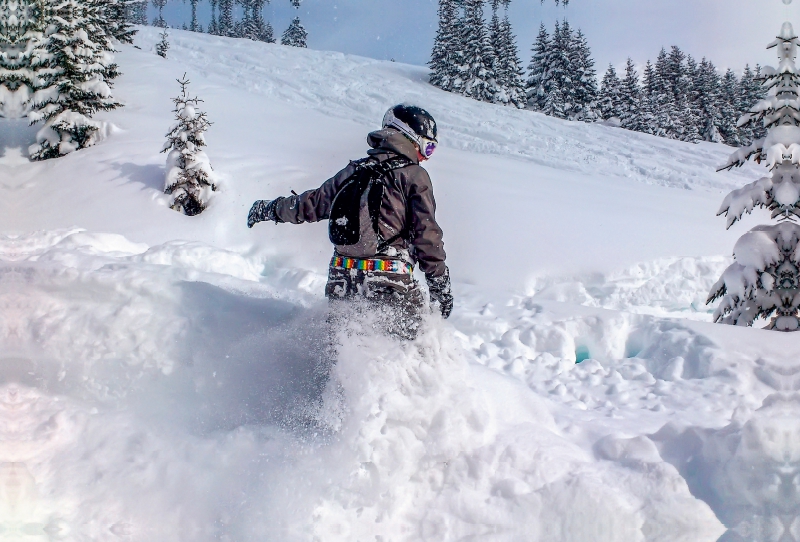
387, 266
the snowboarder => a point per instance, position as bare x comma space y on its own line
381, 220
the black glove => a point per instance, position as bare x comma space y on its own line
439, 288
263, 210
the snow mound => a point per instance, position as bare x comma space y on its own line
665, 287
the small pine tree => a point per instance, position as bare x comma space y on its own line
764, 280
163, 46
295, 35
190, 178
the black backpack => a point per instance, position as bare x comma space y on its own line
353, 225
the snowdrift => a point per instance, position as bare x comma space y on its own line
171, 378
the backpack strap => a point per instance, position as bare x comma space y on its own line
387, 167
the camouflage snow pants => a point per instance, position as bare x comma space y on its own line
392, 302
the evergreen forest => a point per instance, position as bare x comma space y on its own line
677, 97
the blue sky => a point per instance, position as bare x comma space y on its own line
729, 32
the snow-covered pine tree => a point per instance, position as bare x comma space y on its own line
536, 85
163, 45
583, 79
268, 36
690, 103
609, 101
226, 25
672, 70
760, 131
253, 26
478, 60
75, 70
663, 98
751, 91
137, 14
190, 178
116, 18
194, 26
764, 280
243, 27
510, 62
648, 119
295, 35
213, 23
445, 44
729, 91
557, 74
22, 26
708, 86
505, 57
159, 21
493, 33
630, 97
745, 98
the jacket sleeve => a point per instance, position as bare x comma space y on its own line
425, 233
312, 205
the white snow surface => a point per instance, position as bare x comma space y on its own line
166, 377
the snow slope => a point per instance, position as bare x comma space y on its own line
165, 377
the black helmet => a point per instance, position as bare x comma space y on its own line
413, 121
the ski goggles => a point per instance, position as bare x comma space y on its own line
426, 146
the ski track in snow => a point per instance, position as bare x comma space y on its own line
164, 378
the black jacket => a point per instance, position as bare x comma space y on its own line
408, 204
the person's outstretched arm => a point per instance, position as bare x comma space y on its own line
310, 206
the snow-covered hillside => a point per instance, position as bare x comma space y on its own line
164, 376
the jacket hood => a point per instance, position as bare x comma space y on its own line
389, 140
